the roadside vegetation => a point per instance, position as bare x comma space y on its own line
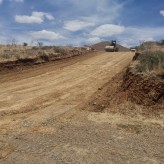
35, 55
12, 53
151, 61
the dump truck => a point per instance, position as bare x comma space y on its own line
112, 47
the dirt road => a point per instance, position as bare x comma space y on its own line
50, 87
41, 121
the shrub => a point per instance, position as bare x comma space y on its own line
149, 61
59, 50
6, 55
40, 44
25, 44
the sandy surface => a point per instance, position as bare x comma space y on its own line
41, 120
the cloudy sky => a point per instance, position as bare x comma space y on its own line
79, 22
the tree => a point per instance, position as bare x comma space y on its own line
25, 44
13, 42
40, 44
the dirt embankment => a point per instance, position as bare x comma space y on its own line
36, 56
130, 93
142, 89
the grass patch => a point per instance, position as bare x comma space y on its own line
151, 61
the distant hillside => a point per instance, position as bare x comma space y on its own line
101, 46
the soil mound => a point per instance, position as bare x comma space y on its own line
142, 89
100, 46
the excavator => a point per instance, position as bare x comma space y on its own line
112, 47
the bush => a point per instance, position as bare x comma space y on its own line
25, 44
59, 50
149, 61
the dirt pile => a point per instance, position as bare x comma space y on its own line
142, 89
101, 46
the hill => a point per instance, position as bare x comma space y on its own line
100, 46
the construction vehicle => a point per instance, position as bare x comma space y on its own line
112, 47
132, 49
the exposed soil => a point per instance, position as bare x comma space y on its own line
41, 120
144, 90
130, 94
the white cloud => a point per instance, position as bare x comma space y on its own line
89, 13
1, 1
107, 30
49, 16
133, 35
28, 19
103, 11
47, 35
145, 32
132, 41
93, 40
162, 12
36, 17
76, 25
42, 15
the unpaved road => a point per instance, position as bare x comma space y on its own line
57, 88
41, 121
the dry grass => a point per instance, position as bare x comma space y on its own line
44, 53
12, 53
151, 61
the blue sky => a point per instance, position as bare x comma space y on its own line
79, 22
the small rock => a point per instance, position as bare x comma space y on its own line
94, 103
103, 106
26, 123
